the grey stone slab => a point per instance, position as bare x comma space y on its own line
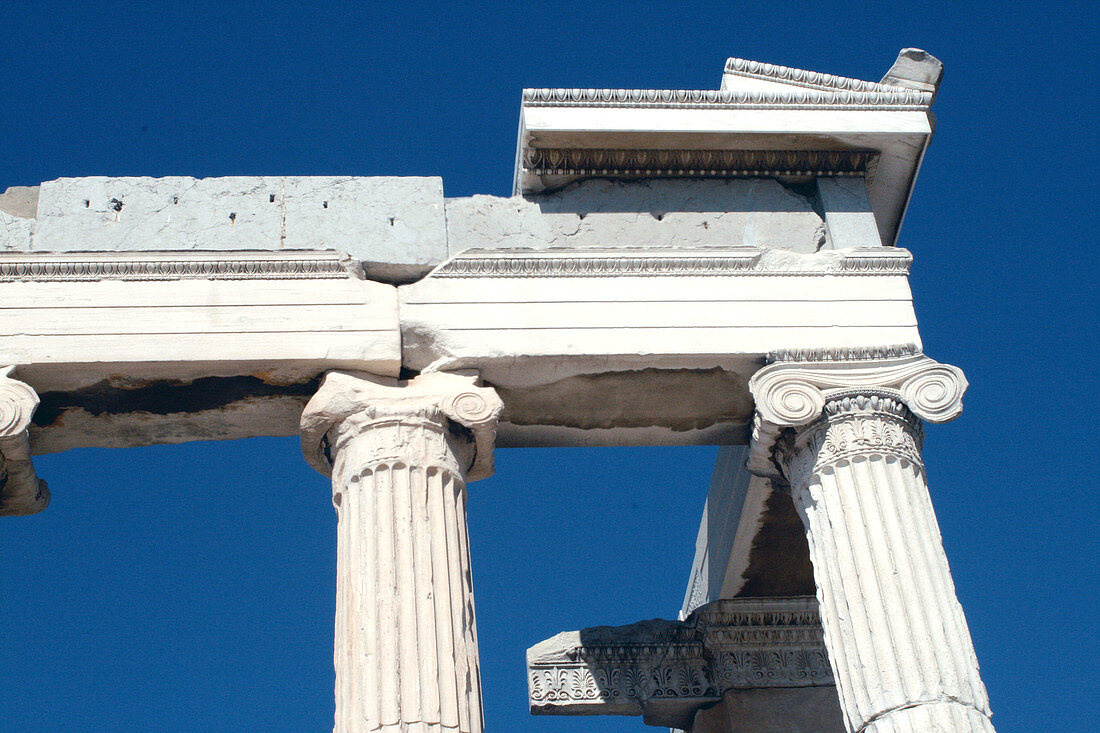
657, 213
394, 226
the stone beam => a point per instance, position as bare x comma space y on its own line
666, 671
552, 330
131, 349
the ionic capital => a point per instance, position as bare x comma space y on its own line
350, 402
792, 392
21, 491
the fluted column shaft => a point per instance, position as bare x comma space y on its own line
844, 438
406, 641
900, 646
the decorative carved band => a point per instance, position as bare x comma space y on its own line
885, 99
648, 263
695, 163
852, 425
792, 394
390, 412
179, 266
845, 353
668, 669
804, 78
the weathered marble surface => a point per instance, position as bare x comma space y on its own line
400, 454
393, 225
642, 214
666, 671
846, 435
766, 120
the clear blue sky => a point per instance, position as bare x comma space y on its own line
190, 588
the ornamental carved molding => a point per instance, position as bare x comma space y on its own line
711, 262
178, 266
649, 163
894, 386
883, 98
21, 491
428, 419
802, 77
852, 426
667, 670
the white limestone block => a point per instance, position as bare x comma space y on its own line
848, 212
487, 308
15, 232
394, 226
99, 213
18, 205
657, 213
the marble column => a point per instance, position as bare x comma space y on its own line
845, 433
400, 454
21, 491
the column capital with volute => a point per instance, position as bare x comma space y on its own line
21, 491
794, 390
843, 431
399, 454
347, 402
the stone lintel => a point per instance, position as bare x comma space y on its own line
666, 671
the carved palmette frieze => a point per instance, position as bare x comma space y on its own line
369, 444
200, 266
886, 98
852, 426
667, 669
715, 262
658, 162
794, 394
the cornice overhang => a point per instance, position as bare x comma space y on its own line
766, 121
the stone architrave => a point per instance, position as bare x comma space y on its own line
21, 491
400, 454
844, 430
